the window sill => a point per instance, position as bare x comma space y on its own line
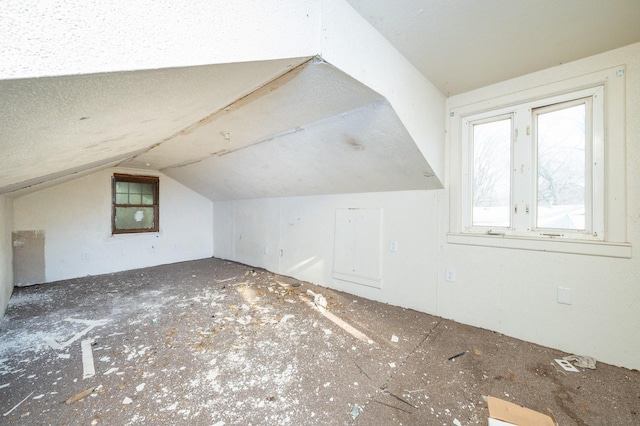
589, 248
135, 236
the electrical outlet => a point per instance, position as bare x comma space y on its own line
394, 246
450, 275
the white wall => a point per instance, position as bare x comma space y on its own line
515, 291
303, 228
510, 291
76, 219
6, 250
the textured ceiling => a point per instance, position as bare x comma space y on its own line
300, 126
314, 130
460, 45
229, 131
53, 126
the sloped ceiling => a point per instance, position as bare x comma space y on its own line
55, 126
312, 131
230, 131
273, 127
460, 45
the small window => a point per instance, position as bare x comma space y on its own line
134, 204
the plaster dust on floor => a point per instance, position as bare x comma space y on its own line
213, 342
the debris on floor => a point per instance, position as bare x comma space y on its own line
452, 357
80, 395
318, 299
503, 412
581, 361
88, 368
566, 365
203, 342
18, 404
355, 411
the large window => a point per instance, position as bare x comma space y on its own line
535, 168
134, 204
537, 164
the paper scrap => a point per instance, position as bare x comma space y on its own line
582, 361
394, 338
109, 371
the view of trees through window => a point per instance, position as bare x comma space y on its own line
561, 168
557, 140
492, 173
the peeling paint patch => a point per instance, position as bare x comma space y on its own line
260, 92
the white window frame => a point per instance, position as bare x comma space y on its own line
606, 235
524, 165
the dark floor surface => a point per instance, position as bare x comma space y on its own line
212, 342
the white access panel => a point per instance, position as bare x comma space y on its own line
358, 246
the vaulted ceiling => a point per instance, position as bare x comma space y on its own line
320, 103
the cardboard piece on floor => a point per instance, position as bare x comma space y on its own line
507, 413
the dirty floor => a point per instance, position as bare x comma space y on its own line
212, 342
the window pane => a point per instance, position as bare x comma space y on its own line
122, 187
561, 168
135, 199
147, 188
134, 218
491, 173
147, 199
122, 199
135, 188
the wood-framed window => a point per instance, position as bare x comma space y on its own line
134, 204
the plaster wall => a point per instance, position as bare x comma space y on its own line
76, 219
515, 291
295, 236
6, 250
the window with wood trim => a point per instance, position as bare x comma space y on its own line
134, 204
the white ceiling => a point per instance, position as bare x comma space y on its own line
311, 131
55, 126
295, 126
229, 131
460, 45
